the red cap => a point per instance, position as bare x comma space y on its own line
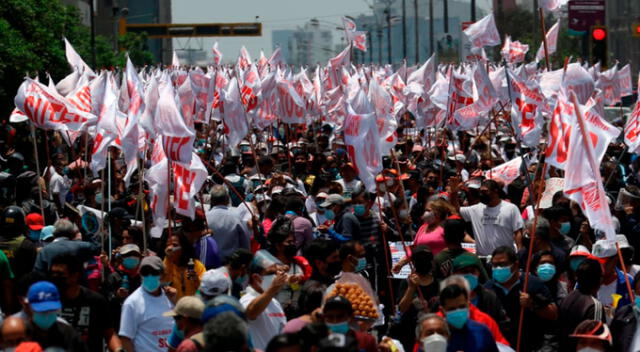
35, 221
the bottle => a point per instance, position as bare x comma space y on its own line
191, 265
125, 282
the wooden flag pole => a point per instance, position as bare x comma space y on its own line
35, 153
544, 39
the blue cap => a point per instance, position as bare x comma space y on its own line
47, 232
43, 297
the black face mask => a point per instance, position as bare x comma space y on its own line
290, 250
60, 283
334, 268
422, 267
485, 198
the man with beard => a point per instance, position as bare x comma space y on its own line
495, 222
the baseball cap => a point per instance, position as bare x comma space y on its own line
152, 262
129, 248
47, 232
579, 250
622, 241
338, 302
604, 249
187, 306
43, 296
591, 329
463, 261
119, 212
214, 282
333, 199
34, 221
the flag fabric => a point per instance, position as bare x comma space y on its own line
136, 107
514, 51
632, 128
75, 60
583, 183
526, 115
233, 114
483, 33
217, 54
506, 172
177, 137
187, 180
552, 42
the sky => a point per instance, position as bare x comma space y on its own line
274, 14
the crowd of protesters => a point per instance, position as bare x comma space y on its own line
279, 223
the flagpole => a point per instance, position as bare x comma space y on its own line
596, 171
109, 195
35, 153
141, 202
544, 39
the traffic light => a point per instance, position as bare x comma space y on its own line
635, 29
598, 39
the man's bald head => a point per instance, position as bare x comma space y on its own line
14, 331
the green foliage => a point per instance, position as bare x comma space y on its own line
31, 43
136, 46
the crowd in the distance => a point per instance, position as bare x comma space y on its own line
289, 252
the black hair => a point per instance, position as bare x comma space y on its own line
311, 297
281, 229
422, 259
25, 281
508, 251
319, 249
73, 263
295, 204
537, 256
492, 185
187, 250
452, 292
136, 234
589, 276
239, 258
348, 248
556, 212
229, 167
282, 341
453, 230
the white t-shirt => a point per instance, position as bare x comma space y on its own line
493, 226
143, 323
351, 187
268, 324
59, 184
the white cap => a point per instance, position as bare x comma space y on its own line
214, 282
604, 249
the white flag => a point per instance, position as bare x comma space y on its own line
483, 33
552, 42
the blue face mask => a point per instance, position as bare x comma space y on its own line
637, 302
45, 320
458, 317
242, 280
99, 198
339, 328
574, 263
472, 280
362, 264
501, 274
546, 271
151, 283
329, 214
130, 262
565, 227
359, 209
34, 235
176, 337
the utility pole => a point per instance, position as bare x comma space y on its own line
380, 46
446, 16
370, 40
93, 34
417, 31
430, 27
473, 10
404, 30
388, 13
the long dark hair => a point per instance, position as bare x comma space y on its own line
187, 249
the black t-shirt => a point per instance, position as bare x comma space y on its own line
60, 335
404, 330
88, 314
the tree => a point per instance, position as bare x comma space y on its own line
31, 43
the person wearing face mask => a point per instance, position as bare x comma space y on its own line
415, 294
181, 270
345, 225
485, 300
85, 310
284, 249
46, 330
560, 227
265, 315
466, 335
432, 334
495, 222
613, 278
353, 257
302, 227
350, 184
204, 245
142, 324
454, 234
187, 323
325, 262
507, 283
431, 233
35, 223
593, 336
337, 313
545, 268
235, 271
123, 280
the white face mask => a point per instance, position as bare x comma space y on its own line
589, 349
266, 282
434, 343
428, 217
403, 213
